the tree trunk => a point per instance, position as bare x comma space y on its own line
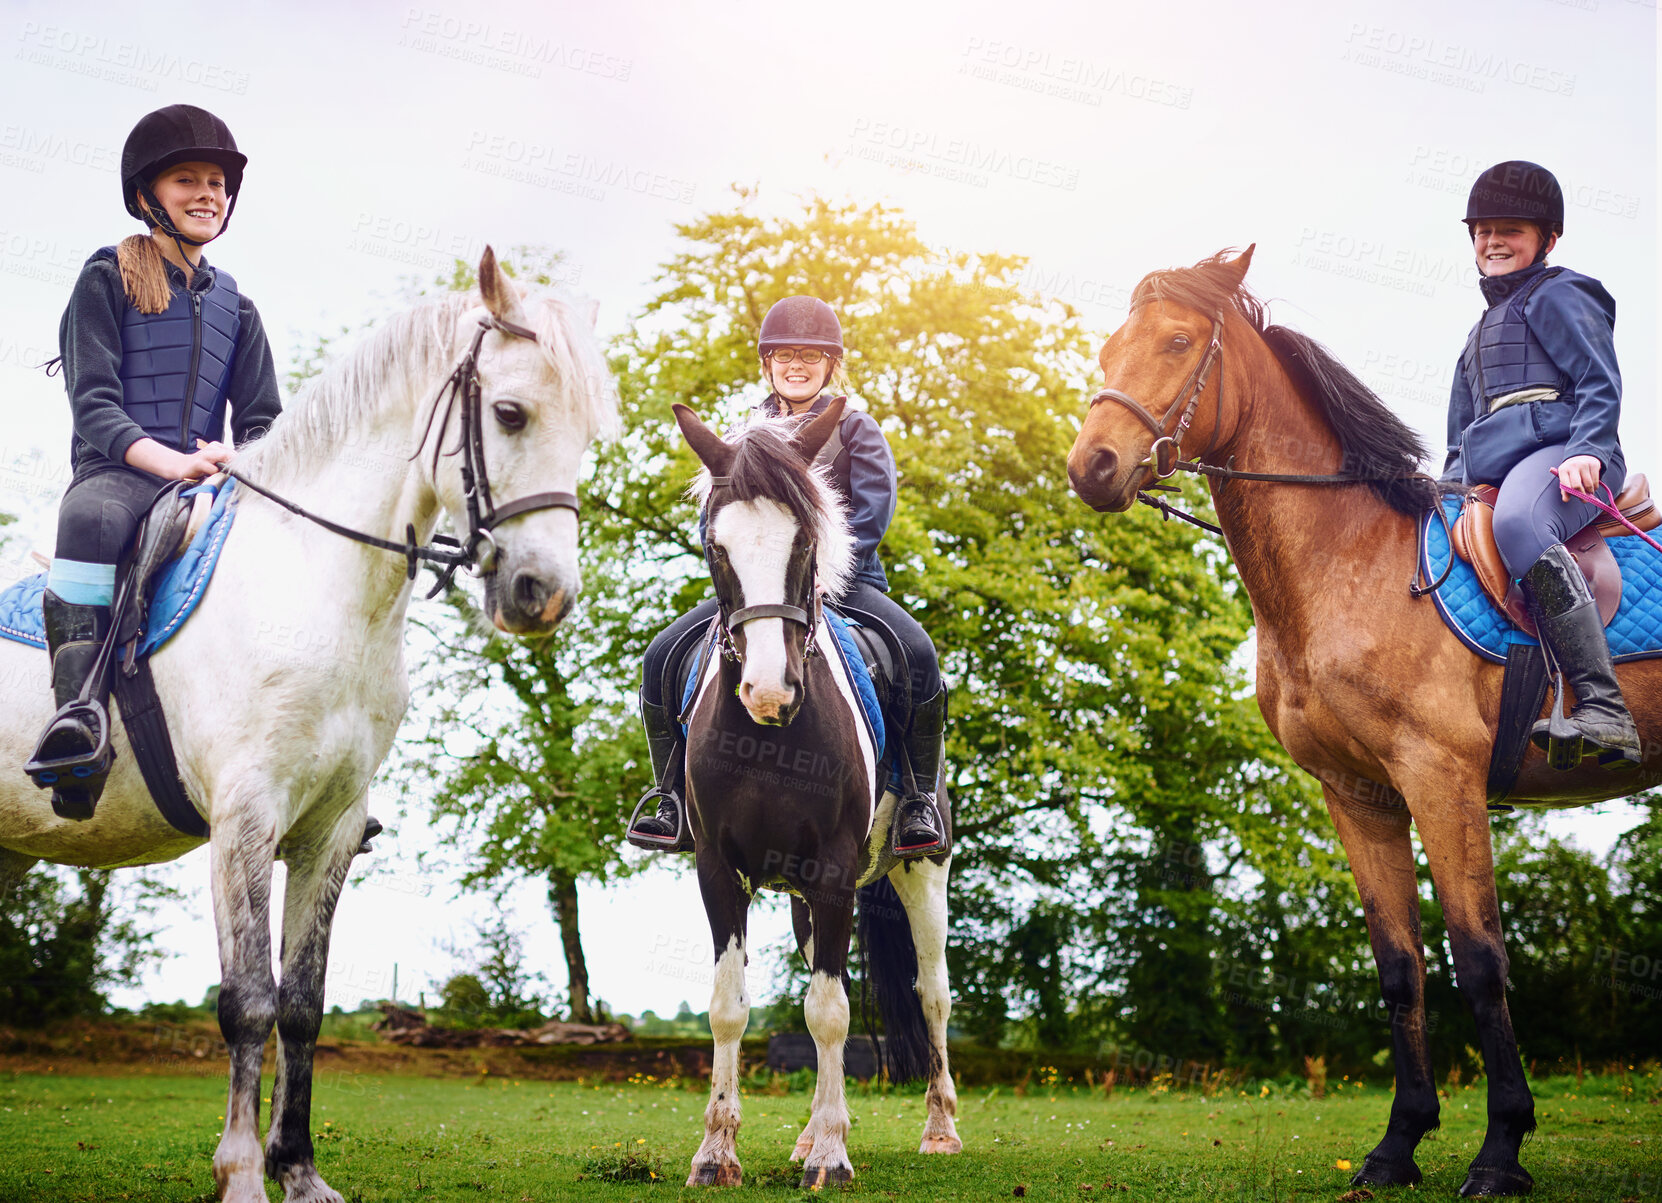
562, 896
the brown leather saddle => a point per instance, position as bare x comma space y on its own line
1474, 540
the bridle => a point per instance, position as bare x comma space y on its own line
728, 622
1192, 389
1170, 444
478, 551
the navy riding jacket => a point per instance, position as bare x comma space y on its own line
1546, 327
863, 471
163, 376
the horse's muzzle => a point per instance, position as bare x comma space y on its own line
771, 707
528, 603
1097, 476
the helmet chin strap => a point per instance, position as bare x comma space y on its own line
156, 214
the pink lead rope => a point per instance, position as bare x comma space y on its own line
1607, 507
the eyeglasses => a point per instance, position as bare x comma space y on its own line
787, 354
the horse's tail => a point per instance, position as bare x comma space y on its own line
889, 965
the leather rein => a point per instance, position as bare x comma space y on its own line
1164, 457
727, 622
478, 551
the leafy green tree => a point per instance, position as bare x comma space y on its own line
68, 935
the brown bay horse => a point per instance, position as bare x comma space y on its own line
1363, 684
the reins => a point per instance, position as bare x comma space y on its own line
478, 552
1170, 444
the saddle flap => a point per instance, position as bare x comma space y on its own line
158, 541
1474, 534
1636, 506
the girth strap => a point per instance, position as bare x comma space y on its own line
141, 713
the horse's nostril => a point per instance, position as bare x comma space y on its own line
529, 593
1104, 464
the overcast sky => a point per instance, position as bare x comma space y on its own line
1101, 140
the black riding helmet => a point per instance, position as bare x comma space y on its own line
180, 133
1519, 189
801, 322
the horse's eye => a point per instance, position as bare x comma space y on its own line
509, 415
1180, 343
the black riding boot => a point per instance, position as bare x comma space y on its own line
664, 830
1569, 624
919, 829
74, 756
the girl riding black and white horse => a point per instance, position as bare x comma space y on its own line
801, 348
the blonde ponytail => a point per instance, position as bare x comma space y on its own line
143, 273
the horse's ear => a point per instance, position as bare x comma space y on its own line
810, 438
707, 445
501, 298
1236, 269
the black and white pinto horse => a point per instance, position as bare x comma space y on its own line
276, 749
783, 791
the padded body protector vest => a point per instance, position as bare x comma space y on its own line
1502, 353
175, 364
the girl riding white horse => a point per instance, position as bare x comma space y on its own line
280, 750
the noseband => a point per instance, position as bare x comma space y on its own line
1164, 456
477, 552
730, 621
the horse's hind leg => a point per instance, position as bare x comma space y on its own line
921, 885
1456, 839
1375, 838
315, 875
826, 1008
242, 848
717, 1162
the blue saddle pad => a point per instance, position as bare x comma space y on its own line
1635, 632
852, 661
179, 586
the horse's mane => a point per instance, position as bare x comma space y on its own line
1373, 439
421, 344
767, 466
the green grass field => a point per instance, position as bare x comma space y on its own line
393, 1137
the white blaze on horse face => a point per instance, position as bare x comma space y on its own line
757, 537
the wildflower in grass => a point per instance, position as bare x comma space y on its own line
1342, 1164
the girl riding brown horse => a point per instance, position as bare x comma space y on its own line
1364, 685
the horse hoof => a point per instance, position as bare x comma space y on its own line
941, 1144
1376, 1171
1496, 1181
714, 1174
826, 1175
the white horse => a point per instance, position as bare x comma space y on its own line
277, 746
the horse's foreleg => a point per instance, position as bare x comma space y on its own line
1456, 839
242, 848
1375, 838
922, 889
717, 1162
826, 1009
315, 875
